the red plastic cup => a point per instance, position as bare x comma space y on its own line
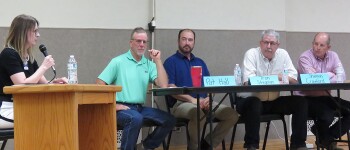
196, 75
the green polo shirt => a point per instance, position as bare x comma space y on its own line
133, 76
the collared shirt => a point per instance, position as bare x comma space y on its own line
256, 64
178, 68
309, 63
133, 76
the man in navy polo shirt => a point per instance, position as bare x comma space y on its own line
178, 68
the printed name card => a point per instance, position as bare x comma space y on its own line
314, 78
264, 80
219, 81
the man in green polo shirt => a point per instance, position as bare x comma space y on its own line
134, 72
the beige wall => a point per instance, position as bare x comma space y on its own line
96, 31
284, 15
317, 15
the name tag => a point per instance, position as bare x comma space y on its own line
219, 81
314, 78
264, 80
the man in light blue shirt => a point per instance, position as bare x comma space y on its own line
134, 72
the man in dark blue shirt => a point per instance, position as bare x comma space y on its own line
178, 68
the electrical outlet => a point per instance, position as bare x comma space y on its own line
177, 129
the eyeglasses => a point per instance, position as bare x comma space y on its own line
269, 42
140, 41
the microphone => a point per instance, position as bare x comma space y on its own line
44, 51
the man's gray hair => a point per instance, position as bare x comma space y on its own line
270, 32
137, 30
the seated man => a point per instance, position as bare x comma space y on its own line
178, 67
134, 72
268, 59
320, 59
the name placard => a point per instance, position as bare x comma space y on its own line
314, 78
264, 80
219, 81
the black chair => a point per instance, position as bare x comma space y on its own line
263, 118
317, 136
6, 134
338, 114
149, 124
182, 122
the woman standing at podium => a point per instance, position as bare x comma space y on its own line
17, 64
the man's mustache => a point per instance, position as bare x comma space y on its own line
187, 46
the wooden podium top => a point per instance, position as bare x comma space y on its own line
56, 88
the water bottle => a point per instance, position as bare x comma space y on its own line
339, 71
238, 75
72, 68
285, 79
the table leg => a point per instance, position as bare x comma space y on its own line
211, 119
198, 122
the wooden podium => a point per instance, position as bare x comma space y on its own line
64, 116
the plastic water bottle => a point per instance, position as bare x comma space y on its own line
339, 71
238, 75
72, 68
285, 79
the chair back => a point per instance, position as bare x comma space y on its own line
6, 119
233, 98
6, 133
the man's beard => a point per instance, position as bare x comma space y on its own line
185, 51
140, 53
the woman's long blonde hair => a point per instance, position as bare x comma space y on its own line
17, 36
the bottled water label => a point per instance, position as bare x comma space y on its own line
285, 77
72, 67
339, 71
238, 75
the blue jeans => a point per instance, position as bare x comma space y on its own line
131, 120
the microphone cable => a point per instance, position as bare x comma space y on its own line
54, 76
